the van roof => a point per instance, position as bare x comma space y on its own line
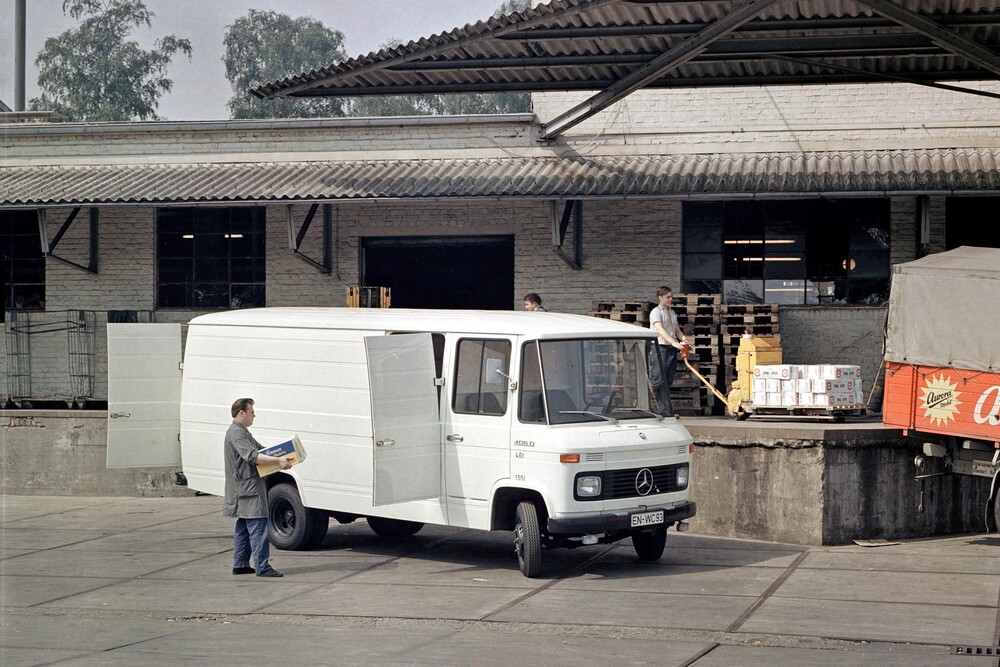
523, 323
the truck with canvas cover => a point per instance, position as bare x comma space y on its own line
541, 424
942, 362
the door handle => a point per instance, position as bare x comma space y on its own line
455, 437
384, 443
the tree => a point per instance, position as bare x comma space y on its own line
263, 47
453, 104
93, 74
395, 105
487, 103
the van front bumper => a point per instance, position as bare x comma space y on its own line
612, 523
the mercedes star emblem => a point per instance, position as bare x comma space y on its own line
644, 482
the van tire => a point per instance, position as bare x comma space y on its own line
321, 524
649, 545
289, 523
528, 540
393, 528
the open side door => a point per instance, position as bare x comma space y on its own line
144, 395
405, 418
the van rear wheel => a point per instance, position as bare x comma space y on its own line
393, 528
528, 540
290, 524
649, 545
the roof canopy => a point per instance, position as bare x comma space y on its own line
618, 46
711, 176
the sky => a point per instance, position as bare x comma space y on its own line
200, 89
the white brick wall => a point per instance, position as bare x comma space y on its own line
784, 118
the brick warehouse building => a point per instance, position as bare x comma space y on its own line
469, 211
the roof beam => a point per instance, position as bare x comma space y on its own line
591, 84
760, 25
883, 76
943, 37
669, 60
735, 47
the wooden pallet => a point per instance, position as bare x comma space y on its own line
807, 411
699, 329
731, 342
747, 320
768, 330
631, 316
688, 300
749, 308
628, 306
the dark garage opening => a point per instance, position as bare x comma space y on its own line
475, 272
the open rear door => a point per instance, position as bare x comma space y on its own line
144, 395
405, 418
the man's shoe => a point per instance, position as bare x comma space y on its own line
270, 573
243, 570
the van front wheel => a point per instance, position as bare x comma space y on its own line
290, 524
649, 545
528, 540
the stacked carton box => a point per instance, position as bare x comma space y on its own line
812, 385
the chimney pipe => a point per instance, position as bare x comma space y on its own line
19, 65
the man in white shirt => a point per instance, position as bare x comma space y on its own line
663, 363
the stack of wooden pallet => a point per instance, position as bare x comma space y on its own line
698, 316
633, 312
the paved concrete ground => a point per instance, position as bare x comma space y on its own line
126, 581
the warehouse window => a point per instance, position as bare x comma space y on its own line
22, 261
788, 252
210, 257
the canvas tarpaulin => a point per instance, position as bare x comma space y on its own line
943, 310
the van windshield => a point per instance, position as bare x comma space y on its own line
585, 381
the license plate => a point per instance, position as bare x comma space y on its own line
647, 519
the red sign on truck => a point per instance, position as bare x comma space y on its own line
948, 401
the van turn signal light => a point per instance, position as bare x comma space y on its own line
569, 458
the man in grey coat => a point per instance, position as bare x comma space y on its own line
246, 493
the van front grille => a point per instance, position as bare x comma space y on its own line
623, 483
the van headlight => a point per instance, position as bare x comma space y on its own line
682, 477
588, 486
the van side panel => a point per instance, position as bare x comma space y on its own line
308, 381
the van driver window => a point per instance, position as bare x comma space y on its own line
481, 385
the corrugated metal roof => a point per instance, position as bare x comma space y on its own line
590, 44
911, 171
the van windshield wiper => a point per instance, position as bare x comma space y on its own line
643, 411
589, 414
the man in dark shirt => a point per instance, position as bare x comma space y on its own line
246, 493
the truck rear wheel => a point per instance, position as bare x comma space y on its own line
649, 545
996, 510
528, 540
393, 528
290, 524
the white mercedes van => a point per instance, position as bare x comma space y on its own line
542, 424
